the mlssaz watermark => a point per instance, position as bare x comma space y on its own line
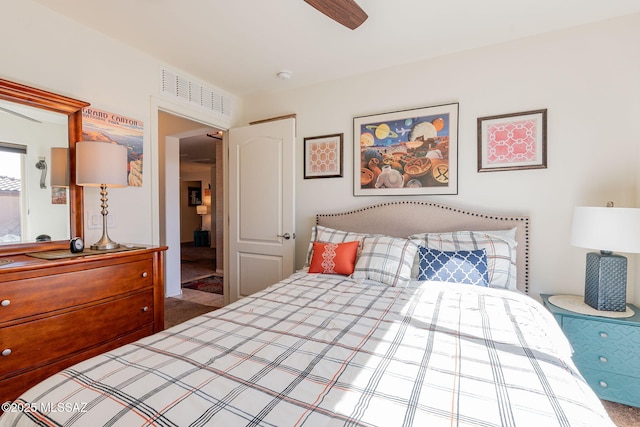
44, 408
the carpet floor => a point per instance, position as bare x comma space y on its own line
177, 311
622, 415
196, 262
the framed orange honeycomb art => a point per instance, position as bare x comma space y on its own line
323, 156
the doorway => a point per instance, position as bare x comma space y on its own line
200, 280
190, 164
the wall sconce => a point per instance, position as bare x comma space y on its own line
101, 164
59, 167
608, 229
42, 166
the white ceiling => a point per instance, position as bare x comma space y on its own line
198, 150
240, 45
31, 114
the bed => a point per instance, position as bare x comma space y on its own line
376, 347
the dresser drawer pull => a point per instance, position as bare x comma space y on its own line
603, 384
603, 359
604, 335
145, 309
145, 274
6, 352
5, 302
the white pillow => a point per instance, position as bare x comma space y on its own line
500, 246
323, 234
386, 259
508, 235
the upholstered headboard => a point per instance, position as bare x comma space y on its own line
403, 218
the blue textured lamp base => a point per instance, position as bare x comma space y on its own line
606, 281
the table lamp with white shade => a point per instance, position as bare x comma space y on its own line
59, 167
101, 164
607, 229
202, 210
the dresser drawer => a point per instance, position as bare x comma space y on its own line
603, 345
14, 386
38, 295
614, 387
35, 343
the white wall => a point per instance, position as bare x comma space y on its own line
198, 176
201, 173
586, 77
51, 52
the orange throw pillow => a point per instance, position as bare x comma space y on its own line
334, 258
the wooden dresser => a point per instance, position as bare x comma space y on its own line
55, 313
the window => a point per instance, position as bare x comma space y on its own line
12, 158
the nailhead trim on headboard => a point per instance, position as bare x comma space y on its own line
523, 219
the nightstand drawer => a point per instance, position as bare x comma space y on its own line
604, 345
614, 387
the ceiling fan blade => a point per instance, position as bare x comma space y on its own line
345, 12
15, 113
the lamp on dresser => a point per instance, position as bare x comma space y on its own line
59, 167
607, 229
101, 164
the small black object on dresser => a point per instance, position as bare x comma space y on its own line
76, 245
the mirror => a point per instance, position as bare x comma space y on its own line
71, 111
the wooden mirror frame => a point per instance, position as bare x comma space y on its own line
26, 95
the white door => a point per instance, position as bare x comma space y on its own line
261, 206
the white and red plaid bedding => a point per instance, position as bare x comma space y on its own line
322, 350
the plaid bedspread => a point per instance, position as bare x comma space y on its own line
319, 350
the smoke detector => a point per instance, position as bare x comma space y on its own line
284, 75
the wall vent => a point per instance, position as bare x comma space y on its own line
194, 92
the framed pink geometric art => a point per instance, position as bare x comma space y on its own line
323, 156
512, 141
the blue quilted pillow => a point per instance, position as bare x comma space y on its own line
468, 267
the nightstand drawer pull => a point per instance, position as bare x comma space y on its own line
6, 352
603, 384
603, 359
145, 274
5, 302
604, 335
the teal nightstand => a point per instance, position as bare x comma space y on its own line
606, 351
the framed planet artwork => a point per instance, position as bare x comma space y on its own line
323, 156
409, 152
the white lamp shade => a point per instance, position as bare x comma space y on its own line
59, 167
101, 163
607, 229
